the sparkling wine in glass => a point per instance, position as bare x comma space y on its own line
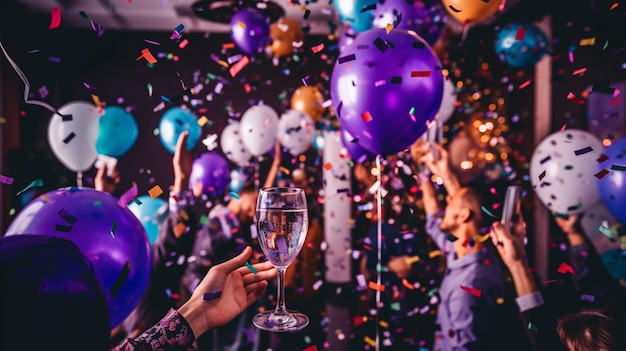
282, 222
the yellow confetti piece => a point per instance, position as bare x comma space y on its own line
388, 27
155, 192
223, 63
3, 120
183, 215
96, 101
588, 41
480, 239
202, 121
500, 300
284, 170
412, 259
370, 341
435, 253
241, 24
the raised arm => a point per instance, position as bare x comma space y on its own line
271, 175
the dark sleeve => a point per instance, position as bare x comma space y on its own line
540, 324
171, 333
594, 284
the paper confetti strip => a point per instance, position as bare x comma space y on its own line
6, 180
377, 287
55, 18
155, 192
564, 268
212, 295
121, 279
472, 291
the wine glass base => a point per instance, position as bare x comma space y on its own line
268, 321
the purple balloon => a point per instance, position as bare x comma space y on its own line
612, 187
212, 172
358, 153
109, 235
346, 38
385, 88
427, 18
250, 30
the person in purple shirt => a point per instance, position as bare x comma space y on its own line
473, 281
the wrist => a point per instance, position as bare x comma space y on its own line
198, 321
180, 184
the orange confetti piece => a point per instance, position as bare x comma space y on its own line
228, 46
367, 116
237, 67
317, 48
370, 341
575, 99
579, 71
472, 291
222, 63
155, 192
377, 287
96, 101
202, 121
328, 166
407, 284
145, 53
434, 253
179, 229
284, 170
241, 24
614, 6
587, 41
388, 27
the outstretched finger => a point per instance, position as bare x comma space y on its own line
181, 143
235, 262
257, 293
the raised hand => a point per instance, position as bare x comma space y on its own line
225, 292
510, 241
106, 183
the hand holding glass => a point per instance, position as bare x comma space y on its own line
282, 223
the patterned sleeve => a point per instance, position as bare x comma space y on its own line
171, 333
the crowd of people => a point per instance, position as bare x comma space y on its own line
477, 266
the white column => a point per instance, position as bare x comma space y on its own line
542, 127
337, 211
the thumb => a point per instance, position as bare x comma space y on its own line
181, 143
235, 262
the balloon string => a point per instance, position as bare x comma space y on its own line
79, 179
465, 31
257, 176
379, 253
27, 84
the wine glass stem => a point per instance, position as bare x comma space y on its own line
280, 300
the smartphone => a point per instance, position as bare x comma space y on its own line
513, 194
106, 161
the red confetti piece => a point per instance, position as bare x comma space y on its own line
575, 99
407, 284
602, 158
601, 174
580, 71
616, 101
563, 127
472, 291
420, 73
237, 67
145, 53
228, 45
55, 18
564, 268
521, 32
183, 43
311, 348
614, 6
525, 84
317, 48
367, 116
328, 166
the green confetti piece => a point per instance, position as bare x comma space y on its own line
97, 203
561, 215
307, 339
606, 231
12, 212
412, 111
489, 213
34, 184
137, 201
350, 163
156, 131
234, 195
251, 268
113, 229
532, 327
606, 44
282, 96
618, 168
204, 219
432, 292
452, 238
395, 306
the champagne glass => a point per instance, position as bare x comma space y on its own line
282, 222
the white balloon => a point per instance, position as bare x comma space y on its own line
446, 109
259, 125
594, 217
73, 141
562, 171
232, 145
296, 131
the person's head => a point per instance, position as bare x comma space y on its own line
463, 215
591, 330
50, 296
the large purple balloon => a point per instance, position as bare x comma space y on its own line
109, 235
427, 18
612, 187
385, 87
358, 153
250, 30
210, 172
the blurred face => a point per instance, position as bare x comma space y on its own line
452, 218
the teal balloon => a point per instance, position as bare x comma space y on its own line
117, 132
357, 12
152, 213
615, 262
318, 141
237, 180
175, 121
521, 45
